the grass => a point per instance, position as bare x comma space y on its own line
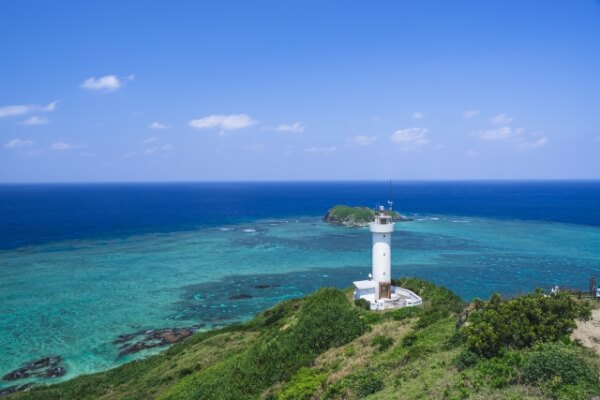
326, 347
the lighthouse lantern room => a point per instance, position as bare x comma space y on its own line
378, 289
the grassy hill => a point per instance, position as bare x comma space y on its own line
326, 347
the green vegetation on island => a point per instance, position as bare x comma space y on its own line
356, 216
326, 347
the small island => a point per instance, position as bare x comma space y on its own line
357, 216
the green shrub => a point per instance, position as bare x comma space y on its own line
499, 325
453, 341
466, 359
357, 385
362, 303
350, 351
326, 320
382, 342
501, 371
404, 313
430, 317
417, 351
548, 362
372, 317
303, 385
409, 339
437, 297
439, 302
365, 383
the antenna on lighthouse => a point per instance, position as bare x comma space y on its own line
390, 201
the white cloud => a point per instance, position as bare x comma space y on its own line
410, 137
418, 115
158, 149
522, 139
296, 127
61, 146
16, 143
107, 83
35, 120
9, 111
224, 122
158, 125
472, 153
501, 119
14, 110
536, 144
502, 133
362, 140
468, 114
150, 140
321, 150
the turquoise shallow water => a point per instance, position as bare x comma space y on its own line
73, 298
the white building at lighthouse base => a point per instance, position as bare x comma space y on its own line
399, 297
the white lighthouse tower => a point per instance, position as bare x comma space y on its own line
378, 290
382, 228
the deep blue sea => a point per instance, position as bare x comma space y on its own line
81, 264
32, 214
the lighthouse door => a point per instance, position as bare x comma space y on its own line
385, 290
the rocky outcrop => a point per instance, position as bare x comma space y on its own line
46, 367
15, 388
241, 296
138, 341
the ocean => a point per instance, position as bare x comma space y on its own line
81, 264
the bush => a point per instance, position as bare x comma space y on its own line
382, 342
404, 313
437, 297
430, 317
439, 302
498, 325
362, 384
372, 318
365, 383
362, 303
453, 341
409, 339
548, 362
303, 385
326, 320
466, 359
502, 371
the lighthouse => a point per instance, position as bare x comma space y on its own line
382, 228
378, 290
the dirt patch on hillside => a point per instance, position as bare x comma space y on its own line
588, 333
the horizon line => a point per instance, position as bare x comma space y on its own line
403, 180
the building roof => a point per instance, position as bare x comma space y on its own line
365, 284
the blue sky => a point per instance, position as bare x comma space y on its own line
299, 90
